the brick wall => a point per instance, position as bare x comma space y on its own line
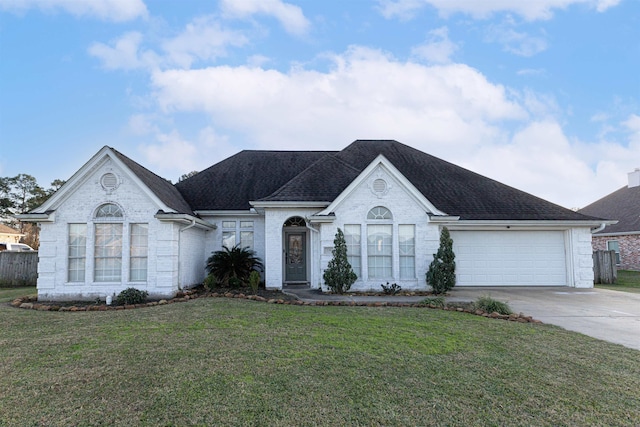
629, 249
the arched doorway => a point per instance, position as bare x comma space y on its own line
295, 250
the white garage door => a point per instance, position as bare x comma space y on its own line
510, 258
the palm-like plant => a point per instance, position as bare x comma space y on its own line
235, 262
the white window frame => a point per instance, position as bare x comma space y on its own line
407, 250
77, 253
138, 252
239, 233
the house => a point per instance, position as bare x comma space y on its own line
115, 224
622, 205
9, 235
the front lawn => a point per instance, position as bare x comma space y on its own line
9, 294
240, 362
628, 281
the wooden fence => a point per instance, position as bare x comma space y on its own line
18, 268
605, 271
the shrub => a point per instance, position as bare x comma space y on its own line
210, 282
392, 289
441, 275
235, 282
132, 296
489, 305
254, 281
237, 263
339, 275
435, 301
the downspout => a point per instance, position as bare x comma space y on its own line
599, 228
193, 224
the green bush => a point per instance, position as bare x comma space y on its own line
210, 282
489, 305
339, 275
132, 296
254, 281
441, 275
235, 282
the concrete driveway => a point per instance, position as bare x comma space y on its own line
607, 315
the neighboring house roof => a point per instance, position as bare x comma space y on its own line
622, 205
163, 189
451, 189
5, 229
248, 175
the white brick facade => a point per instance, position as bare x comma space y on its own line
179, 244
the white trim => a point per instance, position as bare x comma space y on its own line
381, 161
288, 204
516, 224
250, 212
620, 233
184, 219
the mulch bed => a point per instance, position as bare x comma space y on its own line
262, 295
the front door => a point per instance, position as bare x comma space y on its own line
295, 258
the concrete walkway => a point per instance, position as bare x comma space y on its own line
607, 315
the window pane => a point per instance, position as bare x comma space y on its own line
246, 239
352, 238
407, 248
138, 252
379, 251
77, 252
228, 239
228, 224
246, 224
108, 252
379, 212
109, 211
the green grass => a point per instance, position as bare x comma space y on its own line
628, 281
240, 362
9, 294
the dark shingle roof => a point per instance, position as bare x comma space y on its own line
162, 188
248, 175
622, 205
452, 189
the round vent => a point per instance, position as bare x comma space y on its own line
109, 181
379, 186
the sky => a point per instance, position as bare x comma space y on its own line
542, 95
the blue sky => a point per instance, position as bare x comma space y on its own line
543, 95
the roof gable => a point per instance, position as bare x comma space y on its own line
622, 205
161, 191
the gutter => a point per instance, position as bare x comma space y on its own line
599, 228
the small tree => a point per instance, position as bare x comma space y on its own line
441, 275
339, 275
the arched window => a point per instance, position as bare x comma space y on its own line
379, 212
109, 210
295, 221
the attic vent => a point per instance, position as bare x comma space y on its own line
109, 181
379, 187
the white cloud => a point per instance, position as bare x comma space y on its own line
437, 107
172, 155
289, 16
123, 54
107, 10
532, 72
513, 41
531, 10
202, 39
437, 49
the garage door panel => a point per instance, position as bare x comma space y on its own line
510, 258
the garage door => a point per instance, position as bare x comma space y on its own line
510, 258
